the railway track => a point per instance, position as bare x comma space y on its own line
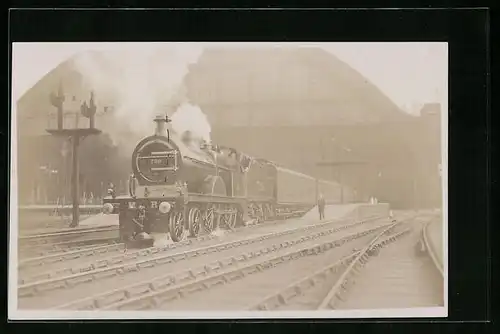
47, 253
60, 242
63, 290
184, 284
47, 266
61, 236
330, 286
59, 248
57, 265
57, 254
244, 287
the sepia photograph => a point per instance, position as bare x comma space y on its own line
162, 180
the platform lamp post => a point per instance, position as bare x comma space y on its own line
76, 136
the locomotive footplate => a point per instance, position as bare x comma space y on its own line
202, 198
225, 211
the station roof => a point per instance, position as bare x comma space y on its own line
237, 87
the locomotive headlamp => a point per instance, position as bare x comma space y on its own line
164, 207
107, 208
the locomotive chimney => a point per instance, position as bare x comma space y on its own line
161, 125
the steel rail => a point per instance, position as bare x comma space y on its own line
68, 255
430, 249
46, 250
42, 238
151, 293
58, 242
93, 272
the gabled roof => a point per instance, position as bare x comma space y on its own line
243, 87
299, 86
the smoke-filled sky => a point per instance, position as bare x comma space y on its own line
408, 73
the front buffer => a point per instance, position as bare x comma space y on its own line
139, 218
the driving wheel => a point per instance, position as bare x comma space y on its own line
176, 226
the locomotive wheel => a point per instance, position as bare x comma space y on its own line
232, 217
254, 213
264, 213
260, 214
218, 217
208, 220
176, 226
194, 220
229, 220
224, 219
239, 218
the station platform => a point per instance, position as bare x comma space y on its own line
53, 207
353, 210
61, 224
331, 211
31, 223
100, 220
434, 235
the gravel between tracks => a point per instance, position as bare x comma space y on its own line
240, 294
57, 297
39, 268
245, 292
33, 252
161, 240
224, 236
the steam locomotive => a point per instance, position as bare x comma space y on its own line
181, 184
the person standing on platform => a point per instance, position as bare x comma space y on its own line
321, 207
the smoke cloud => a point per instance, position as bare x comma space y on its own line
191, 118
136, 81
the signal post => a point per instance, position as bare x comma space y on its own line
75, 135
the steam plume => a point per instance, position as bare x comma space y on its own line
191, 118
137, 80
